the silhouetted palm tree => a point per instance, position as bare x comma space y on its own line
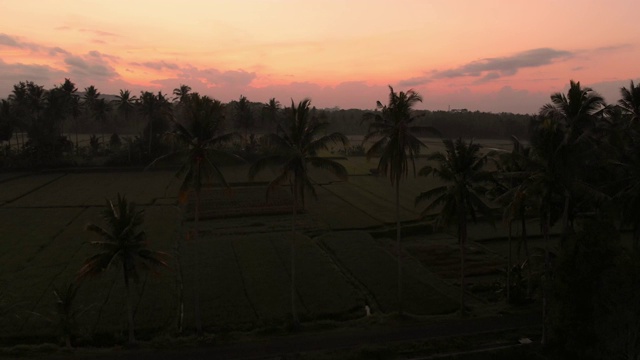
6, 122
101, 111
125, 105
294, 149
461, 168
509, 191
123, 244
182, 93
271, 111
244, 116
575, 115
91, 95
397, 145
198, 144
630, 101
68, 90
155, 109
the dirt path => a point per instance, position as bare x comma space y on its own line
289, 345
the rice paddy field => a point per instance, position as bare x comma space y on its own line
240, 260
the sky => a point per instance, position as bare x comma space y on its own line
487, 55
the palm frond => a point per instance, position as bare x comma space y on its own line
333, 167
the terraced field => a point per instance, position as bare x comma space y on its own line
243, 252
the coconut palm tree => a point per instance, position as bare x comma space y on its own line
181, 93
395, 141
125, 105
271, 111
101, 111
122, 244
198, 145
509, 191
91, 95
6, 122
68, 90
66, 310
575, 115
630, 101
75, 109
156, 109
244, 117
461, 168
294, 149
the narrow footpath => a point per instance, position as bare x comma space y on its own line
288, 345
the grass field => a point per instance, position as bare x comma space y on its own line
243, 252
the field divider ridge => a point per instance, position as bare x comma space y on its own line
34, 190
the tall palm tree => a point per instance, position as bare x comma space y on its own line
575, 115
122, 244
198, 144
91, 95
125, 105
182, 93
271, 111
294, 148
630, 101
7, 125
68, 89
75, 109
156, 109
461, 167
101, 111
396, 143
244, 117
509, 191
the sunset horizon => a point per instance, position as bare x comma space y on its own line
486, 56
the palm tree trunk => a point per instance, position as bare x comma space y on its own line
198, 315
509, 266
547, 264
636, 237
132, 337
180, 277
525, 242
150, 133
399, 247
293, 257
565, 216
77, 149
463, 241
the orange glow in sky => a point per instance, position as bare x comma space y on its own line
491, 55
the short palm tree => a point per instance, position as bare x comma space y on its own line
198, 146
66, 311
122, 244
396, 142
294, 149
461, 168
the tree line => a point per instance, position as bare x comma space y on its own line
40, 127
